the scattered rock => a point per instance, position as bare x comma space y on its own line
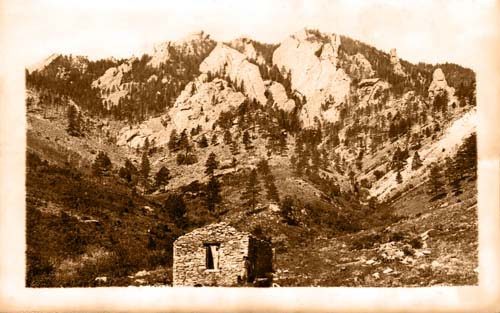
387, 270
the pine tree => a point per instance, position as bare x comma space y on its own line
399, 178
102, 164
286, 210
436, 181
203, 143
252, 190
173, 143
416, 162
263, 167
272, 191
128, 172
162, 177
466, 157
175, 206
214, 140
145, 148
228, 139
74, 119
184, 143
235, 148
246, 140
211, 164
213, 196
145, 166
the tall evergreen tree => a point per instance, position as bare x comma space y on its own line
213, 196
74, 121
184, 143
175, 206
416, 161
128, 172
436, 181
102, 164
252, 190
173, 143
162, 177
246, 140
203, 143
399, 178
145, 166
211, 164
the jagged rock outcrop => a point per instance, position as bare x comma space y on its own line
199, 104
359, 66
370, 91
228, 61
398, 68
110, 84
245, 46
279, 96
312, 61
196, 43
439, 85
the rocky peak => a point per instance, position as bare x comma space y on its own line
398, 68
195, 43
228, 61
439, 85
311, 58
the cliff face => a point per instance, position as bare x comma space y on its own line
199, 105
110, 84
312, 60
230, 62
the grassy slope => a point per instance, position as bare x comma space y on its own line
451, 224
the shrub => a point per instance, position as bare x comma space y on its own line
365, 242
396, 236
186, 159
416, 243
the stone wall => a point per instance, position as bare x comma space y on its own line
189, 268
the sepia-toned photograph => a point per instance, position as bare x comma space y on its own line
203, 148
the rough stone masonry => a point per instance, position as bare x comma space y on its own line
214, 256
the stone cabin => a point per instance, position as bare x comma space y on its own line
217, 255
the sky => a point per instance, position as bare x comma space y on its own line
432, 31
